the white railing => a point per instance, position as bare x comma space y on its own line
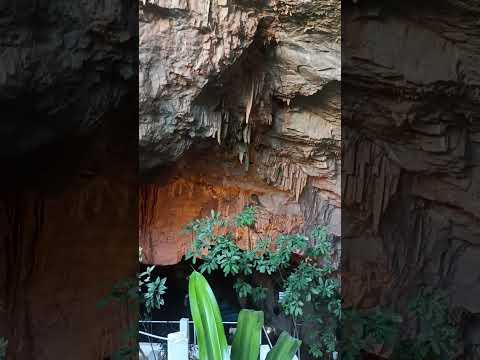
178, 342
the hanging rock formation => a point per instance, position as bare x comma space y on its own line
239, 104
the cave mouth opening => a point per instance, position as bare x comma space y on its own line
176, 305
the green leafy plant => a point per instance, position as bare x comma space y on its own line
311, 291
310, 288
3, 348
285, 348
435, 336
246, 344
151, 291
212, 342
363, 330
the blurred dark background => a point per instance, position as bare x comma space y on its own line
68, 198
410, 171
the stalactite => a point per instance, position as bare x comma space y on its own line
282, 173
219, 132
371, 178
211, 121
250, 101
247, 161
247, 132
226, 120
254, 90
208, 8
241, 152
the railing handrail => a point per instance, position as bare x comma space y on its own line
178, 322
153, 336
190, 322
194, 332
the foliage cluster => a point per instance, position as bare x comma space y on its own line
212, 342
311, 292
435, 336
310, 284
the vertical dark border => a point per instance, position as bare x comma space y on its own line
69, 185
410, 218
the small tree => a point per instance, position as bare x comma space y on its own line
310, 287
311, 292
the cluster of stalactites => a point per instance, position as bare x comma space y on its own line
215, 123
372, 178
254, 98
282, 173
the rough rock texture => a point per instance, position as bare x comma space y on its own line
256, 84
63, 64
193, 188
182, 45
410, 108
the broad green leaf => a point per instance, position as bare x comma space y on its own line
212, 343
285, 348
246, 343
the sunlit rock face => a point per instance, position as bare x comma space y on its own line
239, 100
183, 46
191, 83
197, 184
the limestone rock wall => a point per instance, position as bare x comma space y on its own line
250, 90
196, 187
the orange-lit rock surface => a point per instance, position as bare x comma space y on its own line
194, 188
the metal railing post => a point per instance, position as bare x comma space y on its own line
184, 330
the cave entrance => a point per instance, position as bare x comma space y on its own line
166, 320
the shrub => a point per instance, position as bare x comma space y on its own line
311, 292
311, 283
